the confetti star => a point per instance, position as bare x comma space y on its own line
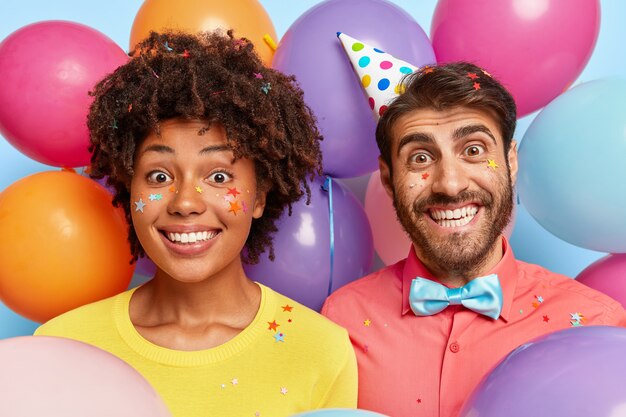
266, 87
279, 337
575, 323
491, 164
223, 386
244, 207
228, 198
114, 125
419, 400
472, 75
535, 304
428, 70
154, 197
476, 86
289, 321
234, 207
539, 299
273, 325
140, 205
167, 46
283, 390
258, 75
198, 189
366, 348
235, 381
367, 322
521, 311
486, 73
577, 316
233, 191
257, 414
130, 107
287, 307
546, 319
185, 54
172, 189
425, 175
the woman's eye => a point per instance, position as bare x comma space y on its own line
421, 158
158, 177
220, 177
474, 150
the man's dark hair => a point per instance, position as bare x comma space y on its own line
220, 79
445, 87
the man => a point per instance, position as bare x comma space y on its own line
449, 163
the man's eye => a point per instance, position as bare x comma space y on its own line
220, 177
158, 177
421, 158
474, 150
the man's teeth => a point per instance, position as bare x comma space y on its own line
191, 237
454, 218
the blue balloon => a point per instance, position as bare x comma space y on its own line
14, 325
339, 412
572, 166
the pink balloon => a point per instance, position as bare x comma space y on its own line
536, 48
47, 70
390, 241
56, 377
607, 275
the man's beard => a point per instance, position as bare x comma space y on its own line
459, 253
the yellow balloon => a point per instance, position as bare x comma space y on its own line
248, 18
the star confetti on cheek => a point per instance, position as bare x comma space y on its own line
425, 176
283, 390
472, 75
546, 319
228, 198
233, 191
199, 190
476, 86
155, 197
139, 205
172, 189
279, 337
491, 164
273, 325
367, 322
287, 307
234, 207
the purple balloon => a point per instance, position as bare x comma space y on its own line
301, 269
311, 51
576, 372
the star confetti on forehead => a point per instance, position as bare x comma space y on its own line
476, 86
234, 207
154, 197
139, 205
492, 164
279, 337
198, 189
273, 325
233, 191
287, 307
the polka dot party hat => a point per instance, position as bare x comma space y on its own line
379, 72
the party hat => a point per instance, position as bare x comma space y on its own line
380, 73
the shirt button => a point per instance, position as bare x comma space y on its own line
454, 347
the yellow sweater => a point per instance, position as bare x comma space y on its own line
306, 363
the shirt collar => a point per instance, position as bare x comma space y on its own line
506, 270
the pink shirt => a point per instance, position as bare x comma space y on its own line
428, 366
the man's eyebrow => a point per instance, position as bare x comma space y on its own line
415, 137
470, 129
215, 148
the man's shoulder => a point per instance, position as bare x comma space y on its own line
79, 322
565, 287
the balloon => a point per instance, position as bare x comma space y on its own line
390, 240
576, 372
536, 48
339, 412
64, 245
12, 324
301, 269
572, 166
607, 275
47, 70
248, 18
56, 377
311, 51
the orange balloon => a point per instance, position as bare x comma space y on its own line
63, 245
247, 17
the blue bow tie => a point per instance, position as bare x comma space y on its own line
482, 295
